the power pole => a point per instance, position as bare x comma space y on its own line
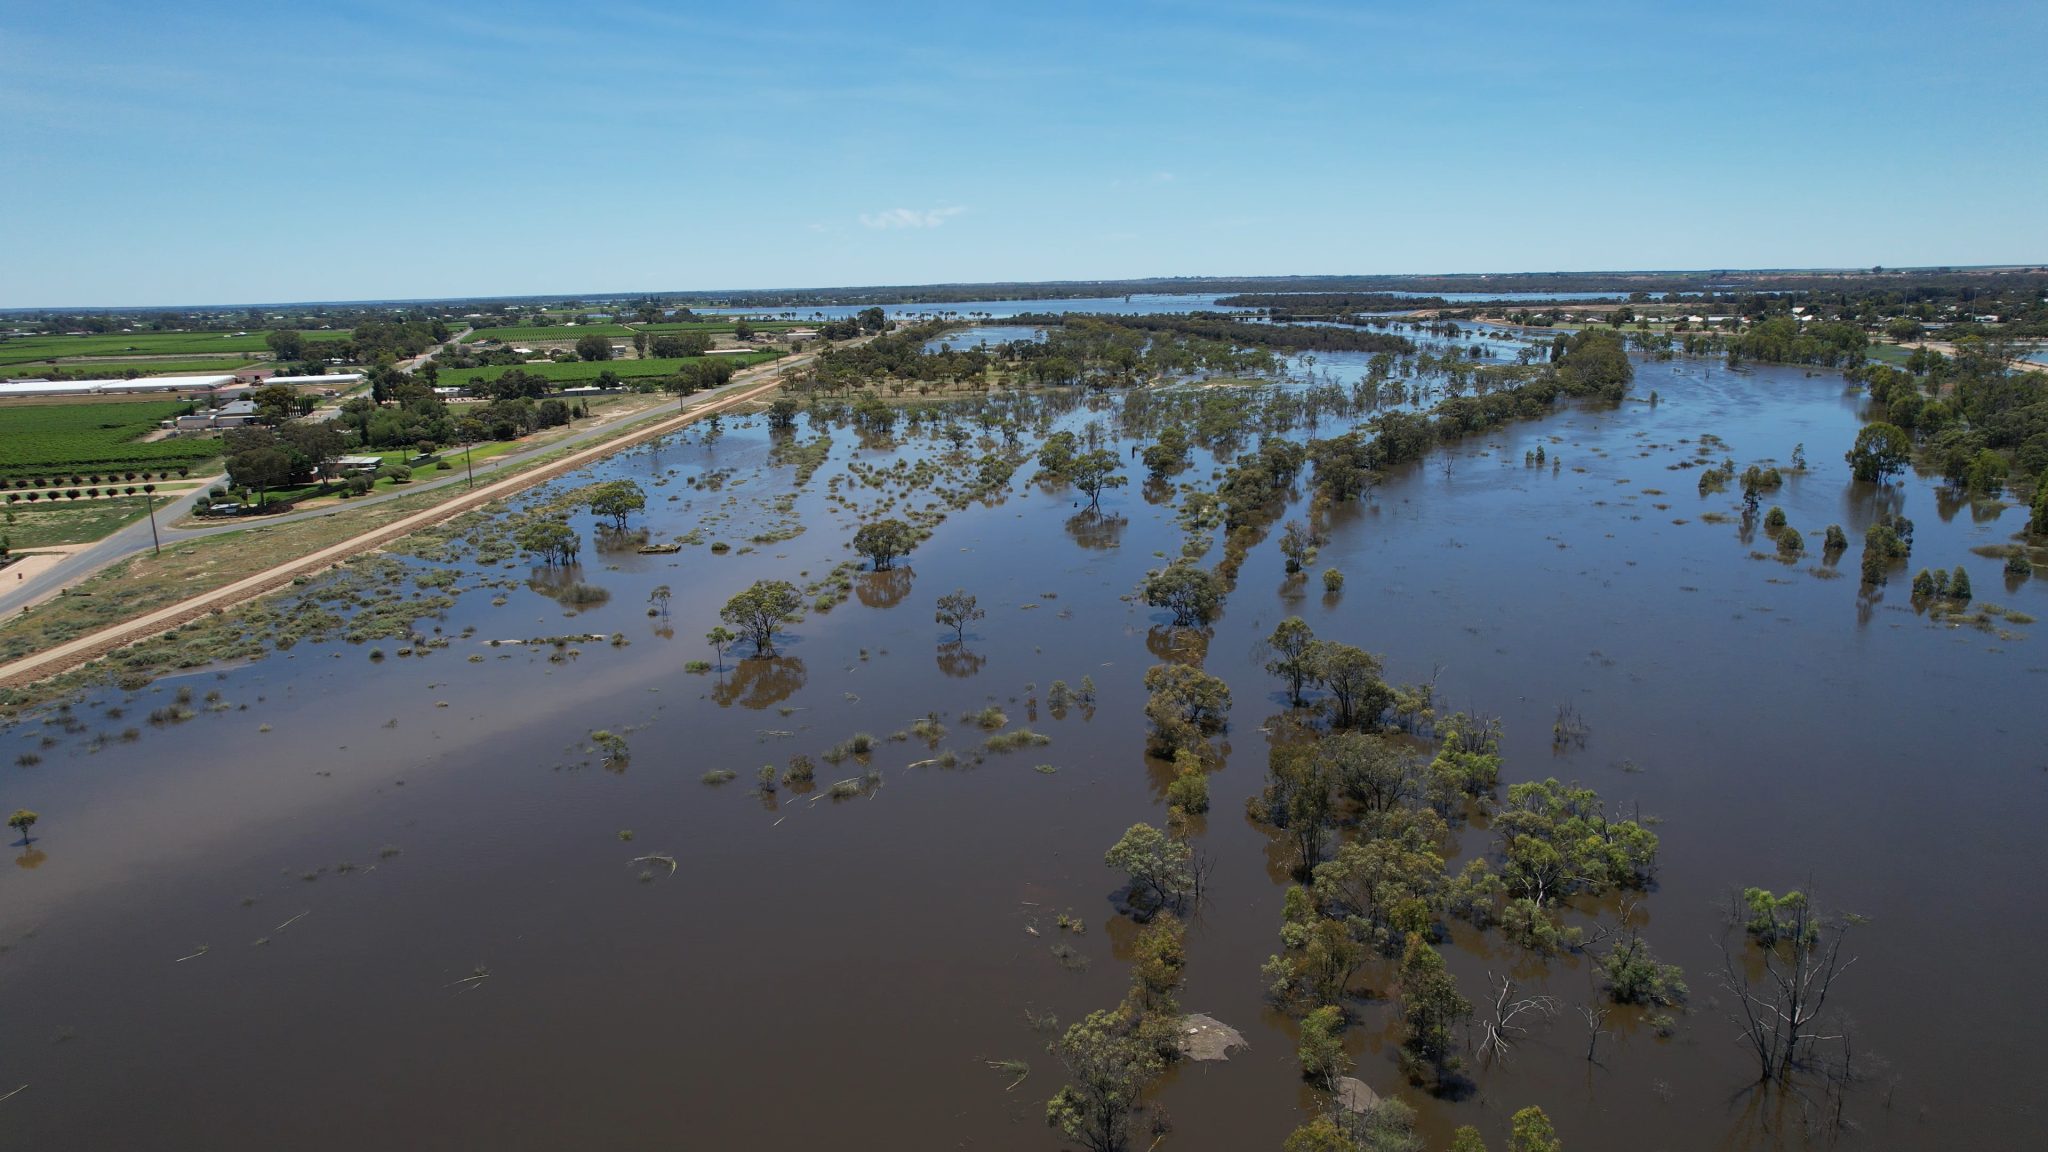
149, 505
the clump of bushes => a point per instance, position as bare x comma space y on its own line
1021, 738
859, 744
1189, 791
1942, 586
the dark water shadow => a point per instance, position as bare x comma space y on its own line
1097, 530
608, 539
959, 661
884, 589
760, 682
1176, 645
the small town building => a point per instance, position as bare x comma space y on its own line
232, 415
349, 465
326, 380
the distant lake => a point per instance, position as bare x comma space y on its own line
1134, 305
996, 309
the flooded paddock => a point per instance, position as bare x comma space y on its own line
412, 900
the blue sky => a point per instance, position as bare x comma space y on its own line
222, 152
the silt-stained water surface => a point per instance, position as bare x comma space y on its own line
411, 901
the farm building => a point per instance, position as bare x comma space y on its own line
226, 416
154, 384
330, 380
344, 465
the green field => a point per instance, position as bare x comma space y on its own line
24, 349
38, 440
720, 325
625, 331
31, 526
115, 368
552, 332
587, 371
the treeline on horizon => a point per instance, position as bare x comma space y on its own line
1238, 332
1941, 281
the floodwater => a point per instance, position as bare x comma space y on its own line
188, 963
1133, 305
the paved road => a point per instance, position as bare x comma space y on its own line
135, 538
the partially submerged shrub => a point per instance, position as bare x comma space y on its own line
1021, 738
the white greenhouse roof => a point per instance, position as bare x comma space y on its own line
99, 387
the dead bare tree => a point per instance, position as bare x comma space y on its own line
1779, 1007
1570, 729
1201, 866
1502, 1032
1594, 1013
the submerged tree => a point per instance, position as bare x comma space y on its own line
1161, 869
761, 610
720, 638
1352, 678
1531, 1131
1095, 472
1192, 593
957, 609
22, 821
1186, 706
1881, 451
1431, 1010
1780, 976
883, 540
1321, 1049
619, 500
1298, 545
1108, 1065
550, 541
1289, 647
1161, 459
1885, 545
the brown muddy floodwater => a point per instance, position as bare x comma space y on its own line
261, 928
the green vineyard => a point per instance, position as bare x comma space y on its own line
52, 440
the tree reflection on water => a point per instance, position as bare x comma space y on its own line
760, 682
957, 661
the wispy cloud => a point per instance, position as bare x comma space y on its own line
910, 217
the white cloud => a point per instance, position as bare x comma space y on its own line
910, 217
